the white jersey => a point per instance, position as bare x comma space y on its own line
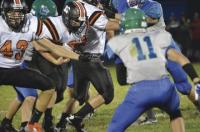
13, 45
94, 32
143, 54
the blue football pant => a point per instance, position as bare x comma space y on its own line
141, 97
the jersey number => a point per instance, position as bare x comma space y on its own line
141, 55
7, 51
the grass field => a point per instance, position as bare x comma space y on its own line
102, 116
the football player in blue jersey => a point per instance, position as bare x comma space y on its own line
153, 10
144, 53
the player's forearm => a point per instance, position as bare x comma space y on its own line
38, 47
57, 49
185, 63
49, 57
178, 57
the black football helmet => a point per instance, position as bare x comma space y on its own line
13, 12
74, 15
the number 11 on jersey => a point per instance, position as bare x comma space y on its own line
141, 55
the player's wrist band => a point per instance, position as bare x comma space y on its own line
189, 69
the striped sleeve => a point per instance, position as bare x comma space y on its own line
93, 18
52, 29
39, 27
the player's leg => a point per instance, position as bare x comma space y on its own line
102, 83
28, 96
26, 110
26, 99
80, 93
71, 103
48, 117
133, 107
6, 124
51, 71
120, 120
141, 96
63, 75
171, 106
177, 125
30, 79
101, 79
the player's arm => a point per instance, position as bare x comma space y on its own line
178, 57
47, 45
54, 59
112, 24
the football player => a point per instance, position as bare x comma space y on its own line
18, 29
144, 53
41, 9
86, 24
154, 12
52, 69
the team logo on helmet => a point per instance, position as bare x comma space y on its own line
44, 11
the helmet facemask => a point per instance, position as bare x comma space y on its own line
15, 18
14, 12
72, 17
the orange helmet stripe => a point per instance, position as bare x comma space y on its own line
17, 2
81, 9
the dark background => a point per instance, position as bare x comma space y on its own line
175, 7
178, 7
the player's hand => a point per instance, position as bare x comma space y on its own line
61, 60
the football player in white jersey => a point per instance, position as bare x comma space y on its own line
26, 96
15, 37
83, 27
16, 33
144, 53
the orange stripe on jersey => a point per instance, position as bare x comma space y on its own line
17, 2
94, 17
52, 29
39, 27
81, 9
